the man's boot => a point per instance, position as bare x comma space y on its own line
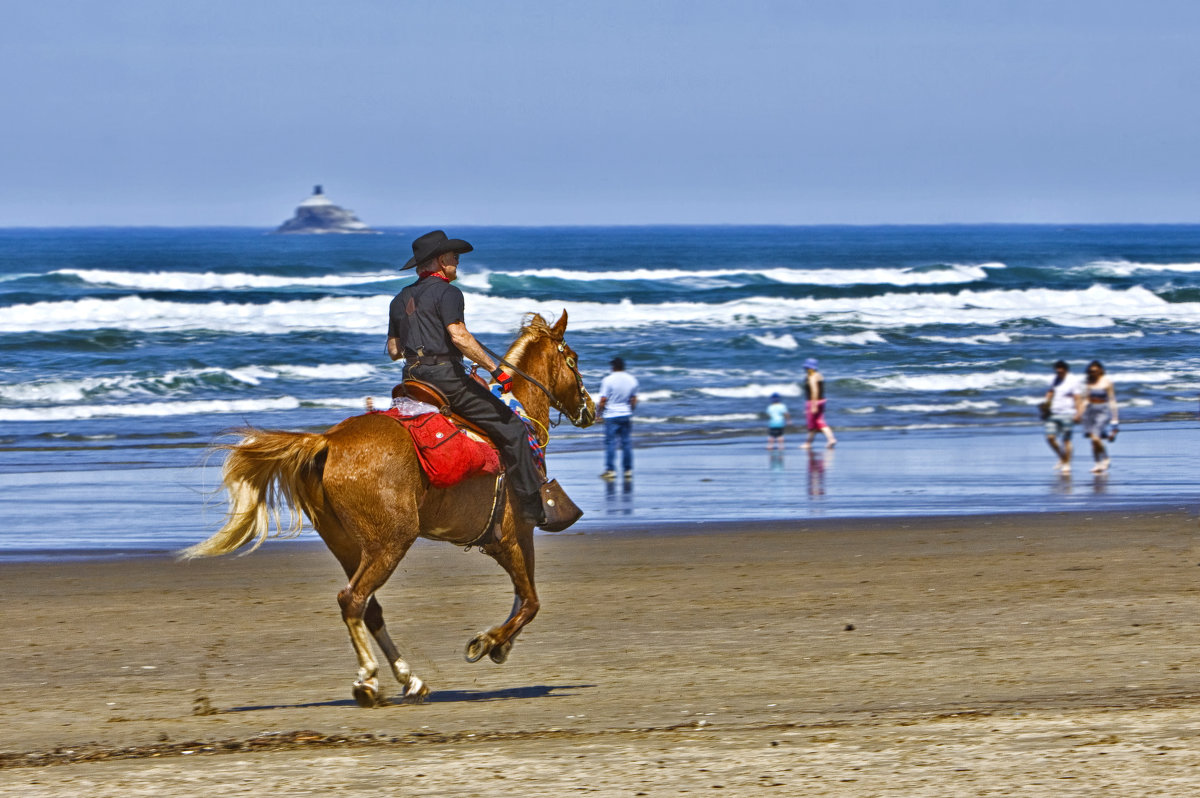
531, 509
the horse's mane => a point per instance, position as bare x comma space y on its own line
533, 328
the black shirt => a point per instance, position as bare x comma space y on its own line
419, 314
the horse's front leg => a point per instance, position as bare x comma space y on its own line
514, 552
500, 652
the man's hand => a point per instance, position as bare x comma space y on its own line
503, 379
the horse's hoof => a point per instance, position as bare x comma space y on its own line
500, 653
366, 694
480, 644
416, 692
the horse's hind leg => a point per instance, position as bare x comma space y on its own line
374, 567
415, 690
514, 552
363, 616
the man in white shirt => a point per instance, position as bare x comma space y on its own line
1065, 401
618, 398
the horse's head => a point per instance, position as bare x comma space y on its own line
565, 381
560, 368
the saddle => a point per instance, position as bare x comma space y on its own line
560, 511
420, 391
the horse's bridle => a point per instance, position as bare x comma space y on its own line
581, 391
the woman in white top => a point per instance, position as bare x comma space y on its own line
1099, 414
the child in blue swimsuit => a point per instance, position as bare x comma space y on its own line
777, 420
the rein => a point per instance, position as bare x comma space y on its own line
576, 418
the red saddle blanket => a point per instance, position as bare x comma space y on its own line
448, 455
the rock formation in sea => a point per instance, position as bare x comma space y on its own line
318, 215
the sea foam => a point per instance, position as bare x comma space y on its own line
978, 381
865, 338
785, 341
994, 380
217, 281
1124, 268
753, 391
183, 381
1094, 307
193, 407
954, 407
970, 340
932, 275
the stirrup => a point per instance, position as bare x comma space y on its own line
560, 511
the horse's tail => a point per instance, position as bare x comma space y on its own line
267, 469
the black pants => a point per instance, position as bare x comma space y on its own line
476, 403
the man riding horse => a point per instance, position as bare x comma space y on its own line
426, 328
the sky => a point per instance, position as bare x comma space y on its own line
144, 112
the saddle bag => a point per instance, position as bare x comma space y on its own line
447, 455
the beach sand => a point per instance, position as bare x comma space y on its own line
1042, 654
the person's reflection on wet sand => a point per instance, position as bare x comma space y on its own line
816, 471
618, 500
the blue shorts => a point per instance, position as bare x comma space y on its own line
1060, 427
1096, 418
775, 432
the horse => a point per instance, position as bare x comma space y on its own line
361, 487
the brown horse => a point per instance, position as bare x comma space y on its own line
362, 488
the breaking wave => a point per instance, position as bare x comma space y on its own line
1094, 307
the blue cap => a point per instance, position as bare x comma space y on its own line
811, 363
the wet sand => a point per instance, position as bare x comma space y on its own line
148, 499
1045, 654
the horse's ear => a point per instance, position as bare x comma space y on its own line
560, 326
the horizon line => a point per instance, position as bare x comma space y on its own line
563, 225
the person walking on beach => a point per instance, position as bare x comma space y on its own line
778, 418
1064, 401
426, 328
1100, 414
618, 398
814, 405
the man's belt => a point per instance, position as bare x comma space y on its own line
431, 360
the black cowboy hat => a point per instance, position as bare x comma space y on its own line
433, 244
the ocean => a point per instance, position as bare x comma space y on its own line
155, 341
